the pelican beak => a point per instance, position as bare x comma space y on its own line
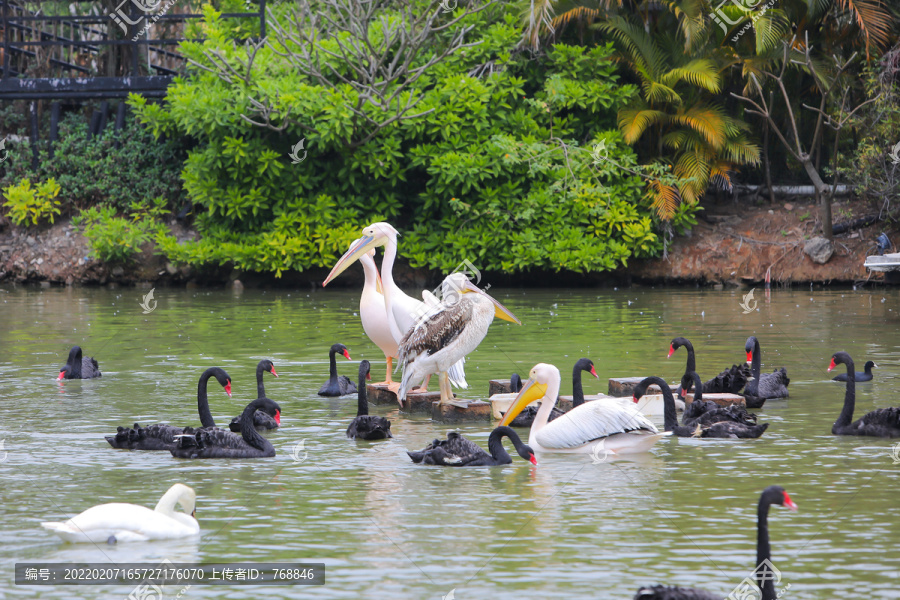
531, 391
500, 311
357, 249
832, 365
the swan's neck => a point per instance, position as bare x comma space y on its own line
387, 278
75, 367
175, 495
698, 387
248, 429
764, 553
670, 416
756, 363
332, 367
691, 359
362, 406
206, 418
495, 445
846, 416
543, 413
577, 390
260, 388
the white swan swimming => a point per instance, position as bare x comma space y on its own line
120, 522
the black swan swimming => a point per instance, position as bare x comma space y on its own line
866, 376
162, 436
706, 412
337, 386
883, 422
713, 423
766, 385
366, 426
729, 381
78, 367
218, 443
773, 494
261, 420
526, 417
457, 451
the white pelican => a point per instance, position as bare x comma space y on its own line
373, 315
447, 333
402, 311
609, 425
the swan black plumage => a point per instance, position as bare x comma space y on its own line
218, 443
773, 494
261, 420
526, 417
706, 412
864, 376
162, 436
766, 385
883, 422
457, 451
715, 422
337, 386
729, 381
366, 426
78, 367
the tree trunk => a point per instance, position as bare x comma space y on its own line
766, 166
822, 197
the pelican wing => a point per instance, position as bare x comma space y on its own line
592, 421
436, 331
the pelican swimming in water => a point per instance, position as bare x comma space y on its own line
401, 311
599, 425
373, 314
447, 333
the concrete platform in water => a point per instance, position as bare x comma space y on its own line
429, 402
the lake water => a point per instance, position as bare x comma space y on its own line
684, 514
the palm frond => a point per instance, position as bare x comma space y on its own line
634, 121
874, 20
637, 43
708, 121
665, 198
538, 19
771, 28
701, 72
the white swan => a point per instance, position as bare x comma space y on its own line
119, 522
619, 428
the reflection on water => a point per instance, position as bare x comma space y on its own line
684, 514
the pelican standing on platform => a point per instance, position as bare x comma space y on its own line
598, 426
401, 311
373, 314
447, 333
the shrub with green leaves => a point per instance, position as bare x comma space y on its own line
114, 238
493, 165
29, 205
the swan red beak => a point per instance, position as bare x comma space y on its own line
594, 372
788, 502
273, 372
750, 356
830, 367
347, 355
533, 459
62, 375
228, 389
278, 417
635, 399
368, 376
671, 352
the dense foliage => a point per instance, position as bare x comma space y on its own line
498, 170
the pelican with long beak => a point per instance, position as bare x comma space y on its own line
401, 311
447, 333
614, 427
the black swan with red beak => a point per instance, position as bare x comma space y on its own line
366, 426
78, 367
218, 443
162, 436
457, 451
261, 420
337, 386
763, 573
763, 385
729, 381
883, 422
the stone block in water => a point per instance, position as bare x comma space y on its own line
473, 410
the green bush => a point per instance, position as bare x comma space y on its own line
498, 171
26, 204
113, 238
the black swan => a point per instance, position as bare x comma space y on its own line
261, 420
766, 385
773, 494
729, 381
366, 426
457, 451
706, 412
884, 422
337, 386
218, 443
78, 367
526, 417
714, 423
161, 436
866, 376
